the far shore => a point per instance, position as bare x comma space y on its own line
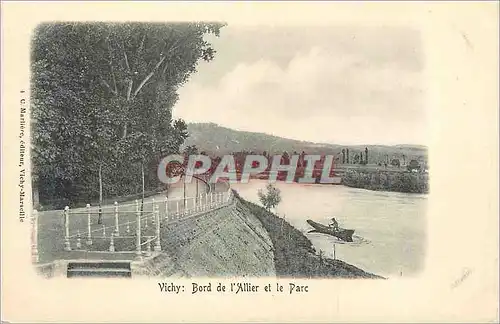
376, 178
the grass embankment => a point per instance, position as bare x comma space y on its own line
387, 180
294, 254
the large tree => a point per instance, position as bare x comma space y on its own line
102, 95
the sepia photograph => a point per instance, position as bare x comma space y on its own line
111, 100
249, 162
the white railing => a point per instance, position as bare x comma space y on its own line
119, 221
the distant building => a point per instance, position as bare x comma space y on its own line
413, 165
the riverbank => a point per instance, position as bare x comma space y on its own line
379, 180
294, 254
241, 239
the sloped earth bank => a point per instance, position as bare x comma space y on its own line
226, 242
242, 239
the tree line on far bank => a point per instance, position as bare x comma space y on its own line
387, 181
402, 180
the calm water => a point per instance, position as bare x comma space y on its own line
390, 237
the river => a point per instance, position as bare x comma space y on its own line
390, 237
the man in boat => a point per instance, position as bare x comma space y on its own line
334, 224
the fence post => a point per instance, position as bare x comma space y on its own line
211, 199
177, 204
34, 237
117, 228
166, 209
112, 244
78, 241
148, 247
153, 216
67, 245
89, 232
145, 213
138, 228
157, 247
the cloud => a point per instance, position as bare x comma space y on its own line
318, 96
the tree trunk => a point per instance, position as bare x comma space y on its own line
128, 105
143, 186
36, 197
99, 219
124, 134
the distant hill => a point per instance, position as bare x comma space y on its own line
218, 140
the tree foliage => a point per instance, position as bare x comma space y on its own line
102, 94
190, 150
387, 181
271, 198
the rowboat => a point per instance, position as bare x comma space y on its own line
341, 233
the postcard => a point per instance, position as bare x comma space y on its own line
249, 162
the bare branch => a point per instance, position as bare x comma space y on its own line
129, 90
164, 69
108, 86
150, 81
130, 81
114, 79
150, 75
126, 59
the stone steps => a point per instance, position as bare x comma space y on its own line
99, 269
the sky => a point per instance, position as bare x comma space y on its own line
336, 84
